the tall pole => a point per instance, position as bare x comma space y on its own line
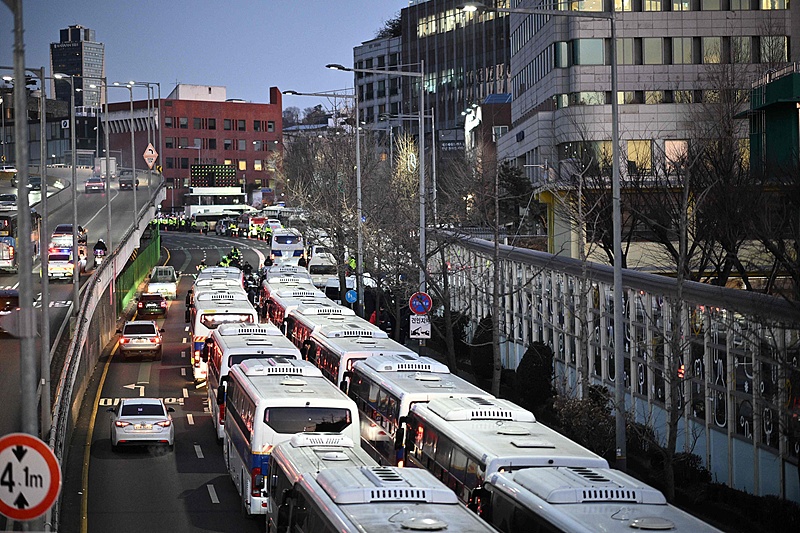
3, 127
433, 169
108, 173
359, 213
133, 163
619, 346
423, 267
76, 265
46, 407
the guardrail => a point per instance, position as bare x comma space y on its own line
94, 327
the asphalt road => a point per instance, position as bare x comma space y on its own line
153, 489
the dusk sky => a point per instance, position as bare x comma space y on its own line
246, 45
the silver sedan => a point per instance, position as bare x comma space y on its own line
141, 421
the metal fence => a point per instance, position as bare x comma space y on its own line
739, 351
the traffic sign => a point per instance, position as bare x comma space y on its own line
420, 303
351, 296
150, 155
30, 477
420, 327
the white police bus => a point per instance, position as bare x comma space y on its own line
580, 500
305, 453
386, 386
376, 499
268, 401
229, 345
464, 440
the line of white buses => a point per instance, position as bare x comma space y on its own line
293, 398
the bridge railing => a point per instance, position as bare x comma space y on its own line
739, 351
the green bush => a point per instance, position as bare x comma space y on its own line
534, 380
481, 353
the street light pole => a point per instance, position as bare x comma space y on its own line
359, 212
76, 264
421, 105
619, 355
133, 155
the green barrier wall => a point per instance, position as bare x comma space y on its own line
137, 270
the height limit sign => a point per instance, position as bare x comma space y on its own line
30, 477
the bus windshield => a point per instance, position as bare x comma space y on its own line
212, 320
300, 419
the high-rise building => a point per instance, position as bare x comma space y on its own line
78, 54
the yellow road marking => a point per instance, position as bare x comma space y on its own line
87, 448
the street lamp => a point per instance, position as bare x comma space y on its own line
198, 148
3, 127
421, 76
359, 212
107, 149
76, 266
619, 359
129, 86
151, 114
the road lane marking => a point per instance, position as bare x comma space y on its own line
183, 371
184, 340
144, 374
199, 451
190, 419
185, 393
212, 493
183, 353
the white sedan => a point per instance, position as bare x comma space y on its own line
141, 421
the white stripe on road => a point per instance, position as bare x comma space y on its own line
185, 393
212, 493
183, 371
190, 419
183, 340
198, 451
183, 353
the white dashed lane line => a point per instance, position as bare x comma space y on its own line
190, 419
185, 393
212, 494
198, 451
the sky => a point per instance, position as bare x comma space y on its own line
247, 46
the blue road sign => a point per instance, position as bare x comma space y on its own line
351, 296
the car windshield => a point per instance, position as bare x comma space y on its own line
301, 419
142, 409
62, 229
139, 329
322, 269
287, 239
212, 320
8, 197
58, 257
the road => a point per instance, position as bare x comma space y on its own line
91, 215
154, 489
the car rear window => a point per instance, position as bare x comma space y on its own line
139, 329
142, 409
58, 257
300, 419
287, 239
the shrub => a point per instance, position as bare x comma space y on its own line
437, 341
481, 352
534, 380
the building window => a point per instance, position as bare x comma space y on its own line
242, 164
651, 5
197, 123
170, 162
227, 144
240, 125
257, 165
683, 97
681, 50
652, 51
226, 124
212, 144
681, 5
712, 50
626, 97
625, 51
640, 156
675, 152
184, 162
241, 145
711, 96
770, 5
168, 123
228, 162
588, 98
711, 5
258, 146
184, 122
623, 5
169, 142
498, 131
741, 51
654, 97
588, 52
270, 125
184, 142
257, 125
740, 5
198, 142
212, 123
773, 49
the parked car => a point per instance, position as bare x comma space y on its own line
95, 184
141, 421
34, 183
139, 337
151, 304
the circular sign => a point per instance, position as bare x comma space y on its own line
351, 296
420, 303
30, 477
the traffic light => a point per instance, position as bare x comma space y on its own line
681, 371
